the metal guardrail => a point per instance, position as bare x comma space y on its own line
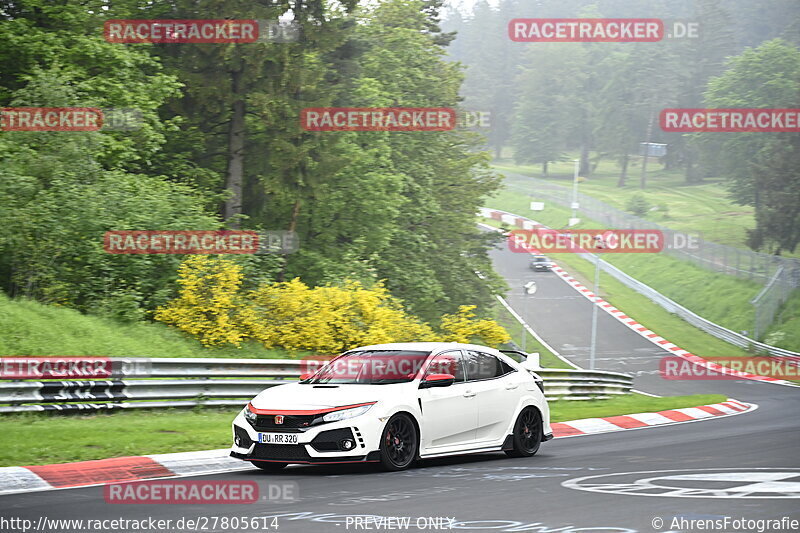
568, 384
656, 297
221, 386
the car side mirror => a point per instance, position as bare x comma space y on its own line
304, 377
437, 380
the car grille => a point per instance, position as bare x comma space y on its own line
264, 422
289, 452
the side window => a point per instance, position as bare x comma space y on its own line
448, 363
482, 366
506, 368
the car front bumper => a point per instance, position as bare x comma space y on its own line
318, 444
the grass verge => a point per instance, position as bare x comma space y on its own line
564, 410
32, 328
719, 298
26, 439
656, 318
705, 207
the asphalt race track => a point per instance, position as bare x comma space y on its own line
745, 466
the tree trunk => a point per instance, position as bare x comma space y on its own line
585, 169
235, 170
645, 158
624, 174
693, 173
292, 227
295, 214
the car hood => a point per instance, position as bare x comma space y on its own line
301, 397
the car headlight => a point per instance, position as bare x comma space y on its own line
343, 414
249, 415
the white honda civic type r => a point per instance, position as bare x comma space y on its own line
394, 404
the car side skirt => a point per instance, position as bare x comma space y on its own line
486, 449
314, 461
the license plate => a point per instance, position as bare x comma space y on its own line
277, 438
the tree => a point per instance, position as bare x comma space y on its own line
546, 109
762, 168
60, 191
432, 256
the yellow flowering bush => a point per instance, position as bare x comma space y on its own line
208, 305
464, 327
329, 319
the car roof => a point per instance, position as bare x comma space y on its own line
427, 347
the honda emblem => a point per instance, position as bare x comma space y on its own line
279, 419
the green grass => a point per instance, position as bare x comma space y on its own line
666, 324
30, 328
563, 410
704, 208
785, 331
36, 438
720, 298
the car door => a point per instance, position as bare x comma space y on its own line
449, 414
496, 386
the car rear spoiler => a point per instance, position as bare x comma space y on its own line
529, 360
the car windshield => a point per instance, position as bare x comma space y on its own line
372, 367
540, 259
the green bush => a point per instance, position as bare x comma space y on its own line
638, 205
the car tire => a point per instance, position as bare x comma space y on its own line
399, 443
268, 465
528, 434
